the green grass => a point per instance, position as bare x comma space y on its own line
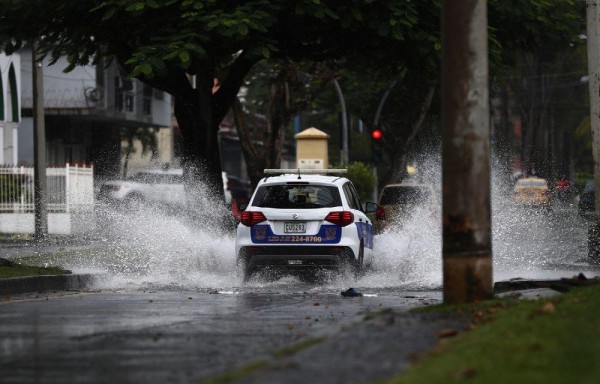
10, 269
553, 340
240, 373
295, 348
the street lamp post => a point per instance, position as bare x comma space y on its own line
39, 147
344, 152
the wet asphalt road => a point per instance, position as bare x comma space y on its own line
163, 337
163, 323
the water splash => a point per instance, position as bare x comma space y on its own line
164, 249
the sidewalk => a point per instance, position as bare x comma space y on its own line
24, 245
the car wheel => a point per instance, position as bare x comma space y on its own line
248, 272
361, 258
244, 265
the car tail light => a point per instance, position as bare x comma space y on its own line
380, 213
341, 218
249, 218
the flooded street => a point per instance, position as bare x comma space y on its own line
162, 252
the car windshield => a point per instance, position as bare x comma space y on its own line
405, 195
297, 196
531, 183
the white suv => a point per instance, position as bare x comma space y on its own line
299, 220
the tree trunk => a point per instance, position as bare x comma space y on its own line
200, 152
199, 111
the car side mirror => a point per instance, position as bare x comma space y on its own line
371, 207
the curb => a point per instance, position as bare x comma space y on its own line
562, 285
16, 285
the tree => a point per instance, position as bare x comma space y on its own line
536, 74
165, 42
516, 29
288, 88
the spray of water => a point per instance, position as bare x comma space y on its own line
154, 248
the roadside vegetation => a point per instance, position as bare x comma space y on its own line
552, 340
11, 269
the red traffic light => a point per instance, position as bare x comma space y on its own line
376, 134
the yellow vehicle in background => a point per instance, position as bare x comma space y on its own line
532, 192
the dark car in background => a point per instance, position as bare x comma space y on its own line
587, 198
398, 202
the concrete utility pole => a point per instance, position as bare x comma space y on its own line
467, 252
593, 49
39, 147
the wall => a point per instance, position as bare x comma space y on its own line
61, 90
58, 223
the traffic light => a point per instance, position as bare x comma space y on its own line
376, 134
376, 150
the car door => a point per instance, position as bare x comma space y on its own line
363, 224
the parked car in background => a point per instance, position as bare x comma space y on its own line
160, 187
152, 187
532, 192
587, 199
304, 220
563, 189
398, 202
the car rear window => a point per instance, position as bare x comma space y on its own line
405, 195
297, 196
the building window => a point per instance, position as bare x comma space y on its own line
147, 99
118, 94
1, 99
124, 94
13, 97
129, 101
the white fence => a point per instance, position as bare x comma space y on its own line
70, 189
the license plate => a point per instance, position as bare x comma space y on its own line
294, 227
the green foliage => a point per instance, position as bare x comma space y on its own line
152, 36
371, 44
11, 269
361, 175
12, 189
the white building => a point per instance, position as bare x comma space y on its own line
10, 111
86, 111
